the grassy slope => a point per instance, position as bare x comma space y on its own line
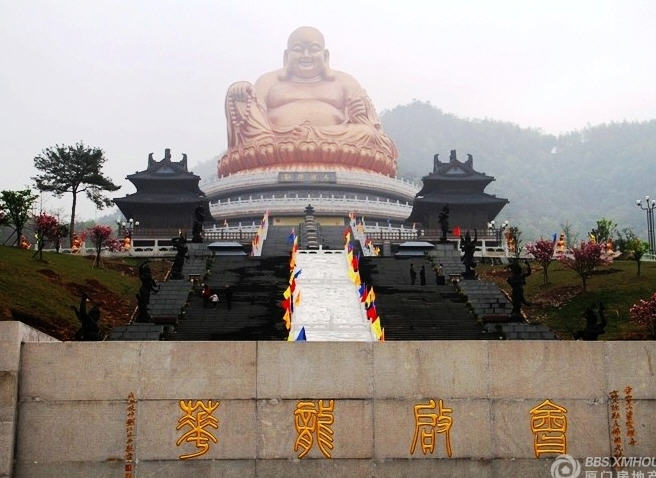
561, 303
41, 293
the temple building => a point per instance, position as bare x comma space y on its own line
167, 195
457, 185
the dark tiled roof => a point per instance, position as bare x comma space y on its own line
469, 199
159, 198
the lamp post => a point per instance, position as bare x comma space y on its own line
127, 226
649, 207
497, 231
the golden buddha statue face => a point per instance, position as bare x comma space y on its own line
306, 58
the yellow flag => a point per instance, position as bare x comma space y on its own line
376, 327
370, 296
356, 278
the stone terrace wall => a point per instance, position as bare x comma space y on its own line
12, 335
73, 398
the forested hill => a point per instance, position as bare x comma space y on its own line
577, 177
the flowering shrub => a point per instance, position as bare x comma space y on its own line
584, 259
114, 245
98, 235
543, 252
644, 313
47, 227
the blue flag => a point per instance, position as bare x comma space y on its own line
301, 336
298, 273
290, 239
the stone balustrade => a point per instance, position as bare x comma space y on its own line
323, 205
237, 183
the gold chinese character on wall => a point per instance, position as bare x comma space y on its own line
428, 423
130, 423
197, 417
314, 419
549, 427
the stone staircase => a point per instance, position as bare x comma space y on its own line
255, 314
332, 237
486, 300
519, 331
449, 257
329, 308
138, 331
167, 306
416, 312
277, 241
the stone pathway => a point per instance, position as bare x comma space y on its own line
329, 308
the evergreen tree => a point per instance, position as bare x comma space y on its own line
74, 169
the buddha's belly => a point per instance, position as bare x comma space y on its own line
317, 112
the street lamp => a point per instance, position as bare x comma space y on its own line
497, 231
649, 206
128, 226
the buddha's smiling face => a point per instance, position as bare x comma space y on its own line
306, 56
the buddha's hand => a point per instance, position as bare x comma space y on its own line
357, 110
241, 91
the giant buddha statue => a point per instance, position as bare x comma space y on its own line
304, 114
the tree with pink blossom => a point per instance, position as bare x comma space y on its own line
584, 259
98, 235
47, 227
644, 313
543, 252
114, 245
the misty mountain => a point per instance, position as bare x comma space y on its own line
576, 177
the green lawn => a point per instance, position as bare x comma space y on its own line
41, 293
561, 303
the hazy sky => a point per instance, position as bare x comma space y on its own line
134, 77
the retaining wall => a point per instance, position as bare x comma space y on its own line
65, 405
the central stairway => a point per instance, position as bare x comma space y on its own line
329, 307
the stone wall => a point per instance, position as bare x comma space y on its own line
73, 399
12, 335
